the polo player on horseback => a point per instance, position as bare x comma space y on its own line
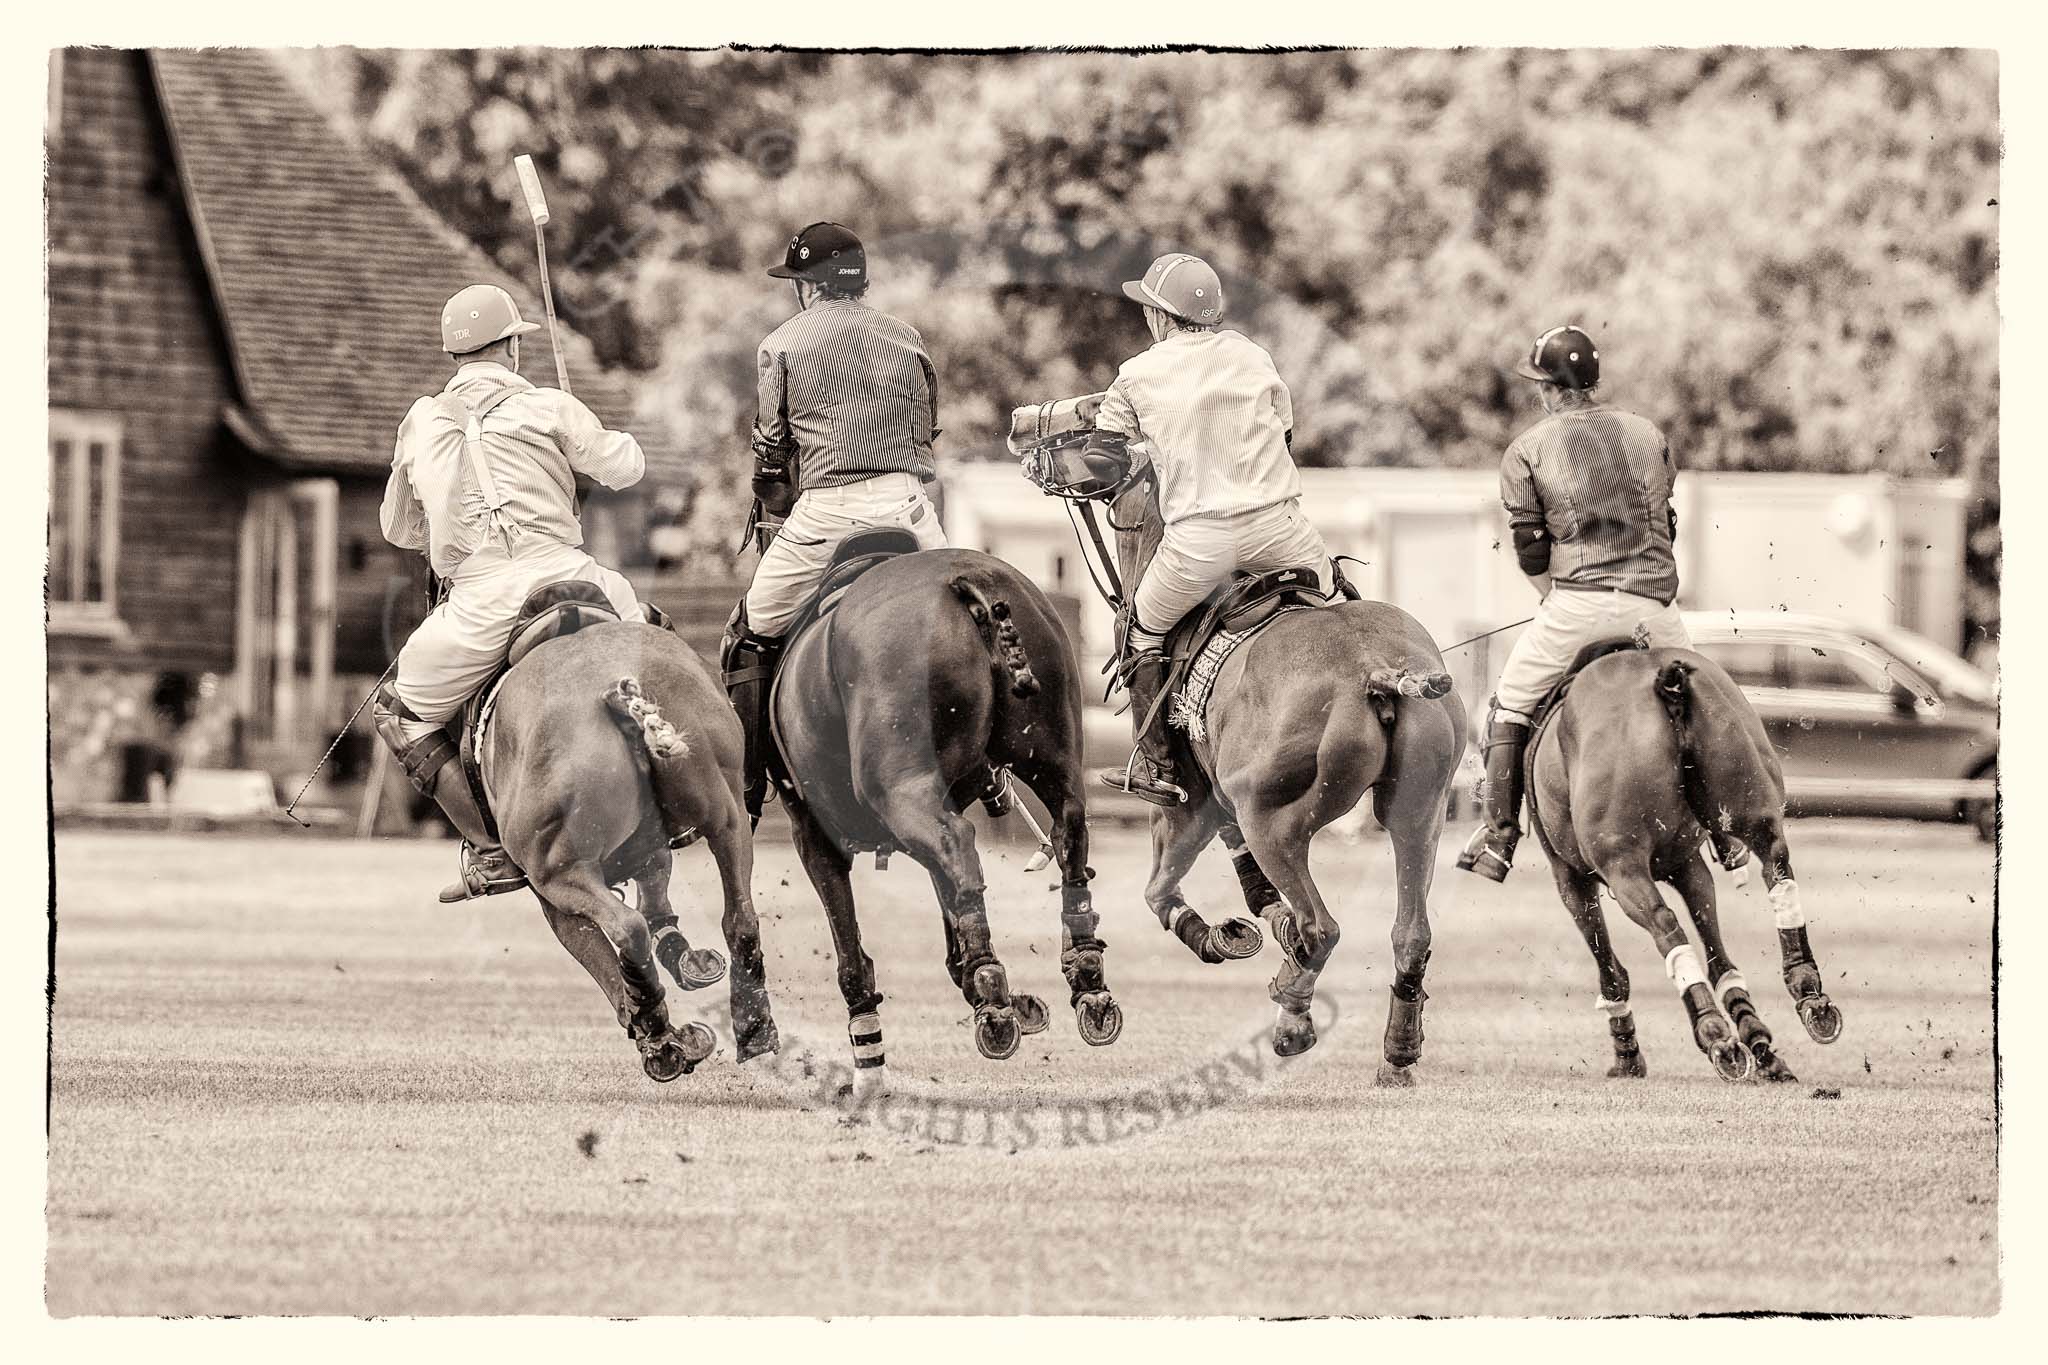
849, 404
484, 480
1207, 410
1588, 496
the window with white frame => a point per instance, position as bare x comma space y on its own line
85, 514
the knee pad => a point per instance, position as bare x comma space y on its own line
422, 758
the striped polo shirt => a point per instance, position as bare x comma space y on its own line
852, 390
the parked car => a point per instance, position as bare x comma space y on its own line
1868, 721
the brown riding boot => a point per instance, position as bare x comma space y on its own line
1491, 852
1150, 774
487, 870
748, 662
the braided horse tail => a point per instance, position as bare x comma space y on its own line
999, 634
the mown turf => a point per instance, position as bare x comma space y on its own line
287, 1082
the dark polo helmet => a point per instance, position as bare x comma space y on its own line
825, 253
1564, 356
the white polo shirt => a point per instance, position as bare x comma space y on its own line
1213, 416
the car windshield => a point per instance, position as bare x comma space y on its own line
1951, 675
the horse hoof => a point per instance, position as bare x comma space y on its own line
700, 967
1770, 1066
1629, 1068
1100, 1018
996, 1033
1823, 1021
757, 1040
665, 1063
1732, 1061
1395, 1077
1031, 1013
1235, 939
692, 968
696, 1040
1293, 1034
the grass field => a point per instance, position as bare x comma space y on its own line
287, 1082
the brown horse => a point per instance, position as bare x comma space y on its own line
605, 748
1307, 716
936, 671
1648, 752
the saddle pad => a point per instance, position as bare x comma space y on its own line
1190, 708
481, 735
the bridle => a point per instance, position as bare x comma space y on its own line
1046, 464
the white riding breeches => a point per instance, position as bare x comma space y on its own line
1199, 554
465, 637
795, 561
1568, 620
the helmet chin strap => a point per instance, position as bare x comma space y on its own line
1158, 322
805, 292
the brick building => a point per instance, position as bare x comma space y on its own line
243, 304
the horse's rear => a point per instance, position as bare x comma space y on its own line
607, 746
936, 671
1319, 708
1650, 752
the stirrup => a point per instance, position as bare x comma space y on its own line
1151, 786
1488, 856
483, 874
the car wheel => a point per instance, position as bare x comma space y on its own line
1983, 812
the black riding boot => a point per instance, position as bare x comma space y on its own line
1151, 773
749, 661
1491, 851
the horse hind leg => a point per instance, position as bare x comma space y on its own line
1096, 1013
942, 841
692, 969
753, 1022
1302, 926
1628, 878
1695, 884
1581, 896
614, 946
1819, 1014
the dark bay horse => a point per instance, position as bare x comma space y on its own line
604, 747
1648, 752
935, 670
1306, 717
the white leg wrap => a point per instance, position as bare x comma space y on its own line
1731, 980
865, 1032
1682, 965
1613, 1009
1785, 905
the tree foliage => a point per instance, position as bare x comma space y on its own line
1789, 258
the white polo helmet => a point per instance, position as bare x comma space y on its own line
1182, 285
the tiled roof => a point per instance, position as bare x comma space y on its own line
330, 273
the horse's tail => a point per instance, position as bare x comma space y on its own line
1385, 685
636, 714
1673, 686
999, 634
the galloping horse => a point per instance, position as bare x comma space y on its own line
591, 784
935, 671
1304, 718
1646, 753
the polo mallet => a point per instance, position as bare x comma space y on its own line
537, 205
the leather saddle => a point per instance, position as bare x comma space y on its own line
549, 612
1247, 601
